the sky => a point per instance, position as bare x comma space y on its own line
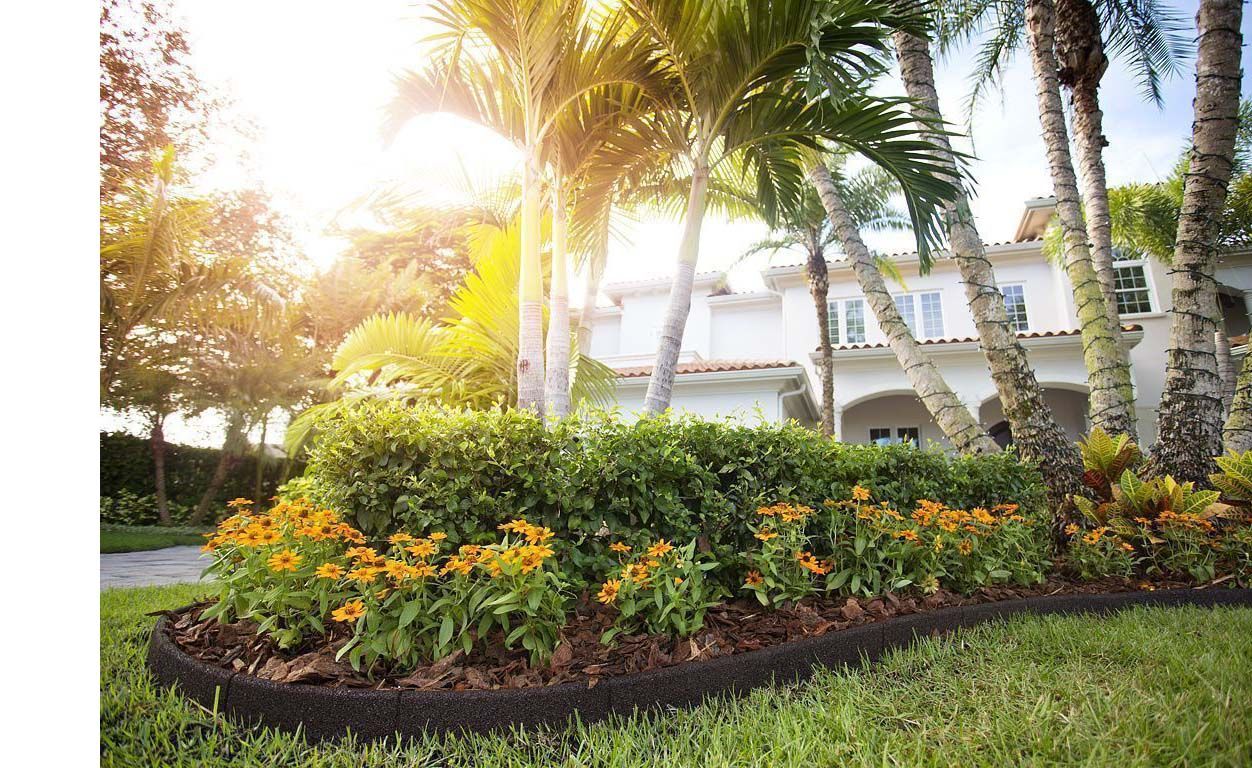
314, 76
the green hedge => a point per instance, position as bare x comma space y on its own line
392, 467
126, 477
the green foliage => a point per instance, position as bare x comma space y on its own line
661, 590
593, 476
139, 538
782, 569
1235, 479
126, 478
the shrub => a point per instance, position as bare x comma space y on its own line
126, 507
1099, 552
661, 589
299, 571
593, 478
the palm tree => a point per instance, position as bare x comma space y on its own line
741, 81
504, 64
1190, 429
949, 413
1110, 396
1237, 431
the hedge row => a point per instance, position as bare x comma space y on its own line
593, 478
126, 474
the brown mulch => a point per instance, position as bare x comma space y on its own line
734, 627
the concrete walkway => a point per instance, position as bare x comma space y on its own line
158, 566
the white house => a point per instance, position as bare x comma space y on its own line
753, 355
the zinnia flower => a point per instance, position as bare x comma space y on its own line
660, 548
860, 493
349, 612
617, 546
284, 561
329, 571
609, 590
399, 538
422, 548
753, 579
438, 536
765, 534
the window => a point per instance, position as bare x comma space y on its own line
884, 435
880, 435
909, 435
848, 314
928, 305
1130, 283
1015, 303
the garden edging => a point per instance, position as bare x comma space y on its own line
322, 712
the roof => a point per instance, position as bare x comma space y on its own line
971, 339
659, 283
940, 254
709, 366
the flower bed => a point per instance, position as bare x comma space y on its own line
411, 706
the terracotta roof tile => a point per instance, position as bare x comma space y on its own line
970, 339
708, 366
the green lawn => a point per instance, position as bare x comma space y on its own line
1146, 688
136, 538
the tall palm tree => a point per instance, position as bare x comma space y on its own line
1190, 429
735, 95
949, 413
1237, 431
1036, 432
1110, 397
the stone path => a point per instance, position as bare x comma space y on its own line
158, 566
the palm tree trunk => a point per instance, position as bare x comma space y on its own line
530, 296
1080, 53
259, 480
1191, 407
231, 448
591, 291
157, 439
556, 384
819, 288
1110, 390
1237, 433
1035, 431
1225, 368
661, 385
941, 402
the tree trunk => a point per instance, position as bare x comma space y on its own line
530, 376
157, 439
819, 288
556, 384
1237, 434
591, 291
1191, 407
1110, 396
1035, 432
661, 385
1225, 368
231, 448
259, 480
1080, 54
944, 406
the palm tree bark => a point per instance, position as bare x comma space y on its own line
661, 385
556, 383
945, 407
1225, 368
591, 291
1035, 431
1110, 390
530, 376
231, 448
1237, 432
819, 289
157, 440
1080, 53
1190, 429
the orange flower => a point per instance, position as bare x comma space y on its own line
329, 571
1071, 529
765, 534
286, 560
753, 579
422, 548
609, 590
660, 548
860, 493
349, 612
619, 547
437, 536
365, 575
965, 547
399, 538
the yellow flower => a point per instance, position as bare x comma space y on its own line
619, 547
1071, 529
398, 570
1127, 546
860, 493
423, 570
239, 502
660, 548
678, 580
906, 534
362, 554
329, 571
422, 548
753, 579
609, 590
350, 612
365, 575
399, 538
286, 560
965, 547
765, 534
438, 536
266, 536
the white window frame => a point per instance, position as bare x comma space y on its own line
1148, 284
837, 310
919, 320
893, 434
1025, 304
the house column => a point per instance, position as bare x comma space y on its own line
837, 417
1247, 302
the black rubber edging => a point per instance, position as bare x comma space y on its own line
321, 712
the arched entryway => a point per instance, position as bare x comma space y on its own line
1067, 401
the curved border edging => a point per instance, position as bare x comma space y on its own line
321, 712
